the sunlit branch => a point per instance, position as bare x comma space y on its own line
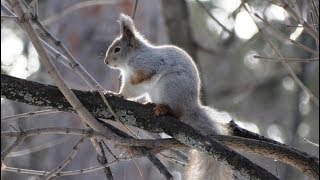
287, 59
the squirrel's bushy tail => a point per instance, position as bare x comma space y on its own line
202, 166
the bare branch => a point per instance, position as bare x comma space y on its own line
38, 147
89, 134
65, 162
103, 160
285, 36
74, 101
287, 59
29, 114
11, 147
214, 18
7, 17
297, 17
135, 8
316, 10
284, 64
310, 142
85, 115
75, 7
67, 173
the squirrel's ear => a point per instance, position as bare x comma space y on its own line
127, 28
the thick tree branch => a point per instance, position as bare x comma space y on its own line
305, 164
129, 112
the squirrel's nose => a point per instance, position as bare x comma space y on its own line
106, 60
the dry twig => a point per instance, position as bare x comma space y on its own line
65, 162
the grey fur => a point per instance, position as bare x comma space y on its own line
175, 82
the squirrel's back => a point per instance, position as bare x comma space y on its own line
170, 58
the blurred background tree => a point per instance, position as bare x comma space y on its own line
223, 39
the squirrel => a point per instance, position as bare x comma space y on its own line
169, 76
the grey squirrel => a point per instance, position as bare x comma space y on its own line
169, 76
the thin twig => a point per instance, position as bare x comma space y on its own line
38, 147
310, 13
316, 10
310, 142
75, 7
287, 59
113, 113
32, 6
103, 160
158, 150
277, 151
7, 17
297, 17
299, 26
30, 114
57, 43
173, 160
135, 9
65, 162
292, 73
71, 63
137, 165
285, 36
142, 151
84, 114
70, 60
74, 101
66, 173
285, 65
118, 120
11, 147
214, 18
90, 133
105, 145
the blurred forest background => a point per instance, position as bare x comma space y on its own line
259, 93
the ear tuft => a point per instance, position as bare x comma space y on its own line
126, 25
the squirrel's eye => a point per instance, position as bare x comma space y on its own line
117, 49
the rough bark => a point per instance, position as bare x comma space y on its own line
130, 113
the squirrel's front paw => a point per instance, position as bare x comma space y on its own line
115, 94
162, 109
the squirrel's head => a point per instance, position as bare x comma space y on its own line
124, 45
